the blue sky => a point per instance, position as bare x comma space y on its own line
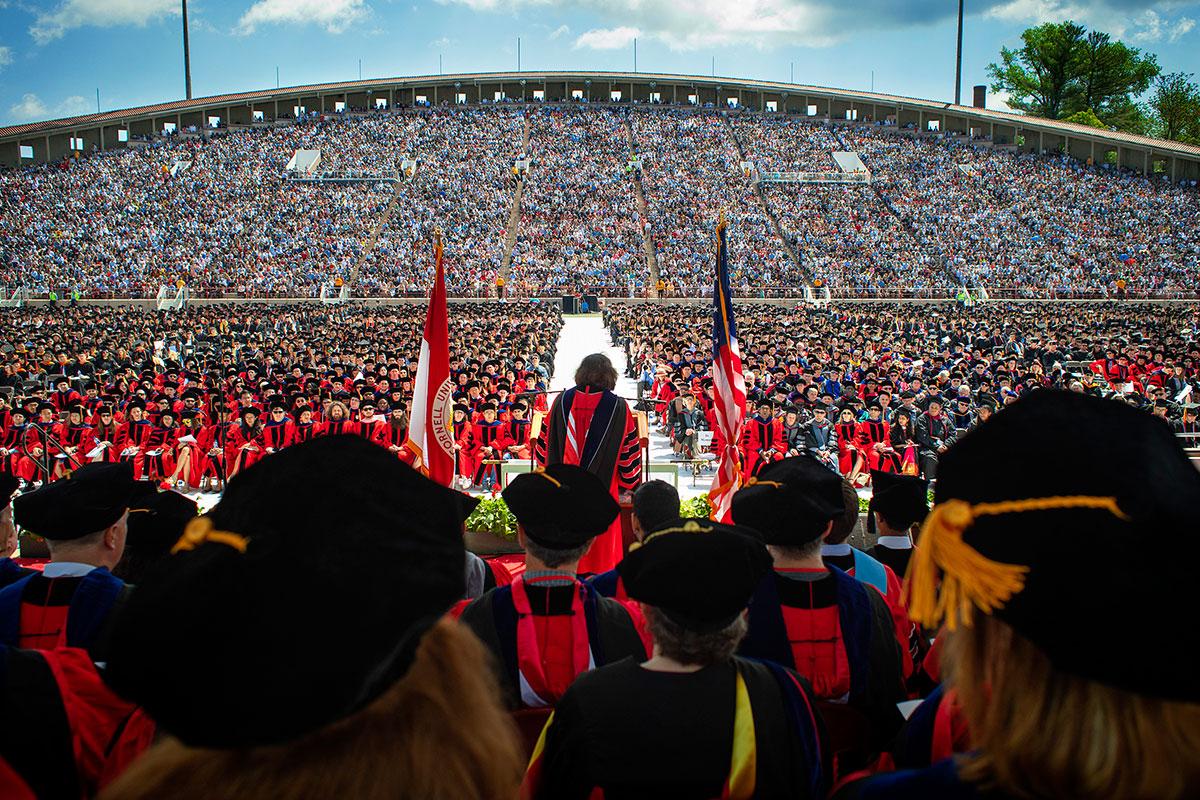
54, 54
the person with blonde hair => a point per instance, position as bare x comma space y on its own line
289, 649
1039, 568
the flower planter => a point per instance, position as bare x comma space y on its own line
482, 543
33, 546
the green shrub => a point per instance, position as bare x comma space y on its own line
696, 508
492, 516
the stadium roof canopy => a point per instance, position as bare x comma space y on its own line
55, 139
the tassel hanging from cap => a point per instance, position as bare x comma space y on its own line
970, 580
200, 531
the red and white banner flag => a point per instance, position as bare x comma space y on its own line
430, 440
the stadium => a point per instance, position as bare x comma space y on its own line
786, 433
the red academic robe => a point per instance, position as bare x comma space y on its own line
487, 435
762, 442
608, 548
133, 436
848, 452
243, 448
277, 436
871, 433
517, 433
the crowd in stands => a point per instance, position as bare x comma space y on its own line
691, 174
580, 225
216, 210
192, 398
887, 388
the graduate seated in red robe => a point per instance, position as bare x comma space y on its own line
548, 627
83, 520
832, 629
694, 721
763, 442
1011, 560
655, 505
487, 443
516, 431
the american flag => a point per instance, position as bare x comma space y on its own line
729, 387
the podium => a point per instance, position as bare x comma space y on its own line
569, 306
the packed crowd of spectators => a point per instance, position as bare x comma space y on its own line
580, 225
218, 212
210, 365
944, 368
692, 173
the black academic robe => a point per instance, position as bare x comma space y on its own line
630, 732
612, 633
941, 781
892, 557
71, 611
873, 664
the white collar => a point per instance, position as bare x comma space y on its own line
842, 549
895, 542
67, 569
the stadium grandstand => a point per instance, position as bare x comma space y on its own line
588, 434
608, 183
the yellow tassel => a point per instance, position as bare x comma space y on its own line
200, 531
541, 472
970, 580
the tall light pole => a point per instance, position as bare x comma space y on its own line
958, 59
518, 54
635, 54
187, 55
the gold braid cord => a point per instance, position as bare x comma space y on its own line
970, 580
200, 531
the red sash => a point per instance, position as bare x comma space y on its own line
535, 688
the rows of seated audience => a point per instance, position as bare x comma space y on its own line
218, 212
579, 223
191, 399
161, 653
888, 388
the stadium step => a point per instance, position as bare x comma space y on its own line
374, 237
644, 213
766, 207
514, 212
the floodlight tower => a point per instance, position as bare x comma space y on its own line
958, 59
187, 56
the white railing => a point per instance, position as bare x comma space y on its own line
171, 298
15, 300
814, 177
332, 295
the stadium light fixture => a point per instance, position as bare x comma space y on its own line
187, 56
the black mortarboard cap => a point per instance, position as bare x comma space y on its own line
903, 500
89, 500
157, 519
562, 506
1025, 537
790, 502
217, 643
664, 571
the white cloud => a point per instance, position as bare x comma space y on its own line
334, 16
442, 43
33, 107
1182, 27
73, 106
560, 31
607, 38
69, 14
998, 101
6, 57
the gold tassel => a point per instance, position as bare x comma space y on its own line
200, 531
970, 580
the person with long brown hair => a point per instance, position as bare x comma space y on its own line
282, 667
1016, 560
590, 427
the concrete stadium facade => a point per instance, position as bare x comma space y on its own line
53, 140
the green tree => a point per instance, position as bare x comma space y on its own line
1039, 75
1061, 69
1175, 108
1110, 74
1086, 117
